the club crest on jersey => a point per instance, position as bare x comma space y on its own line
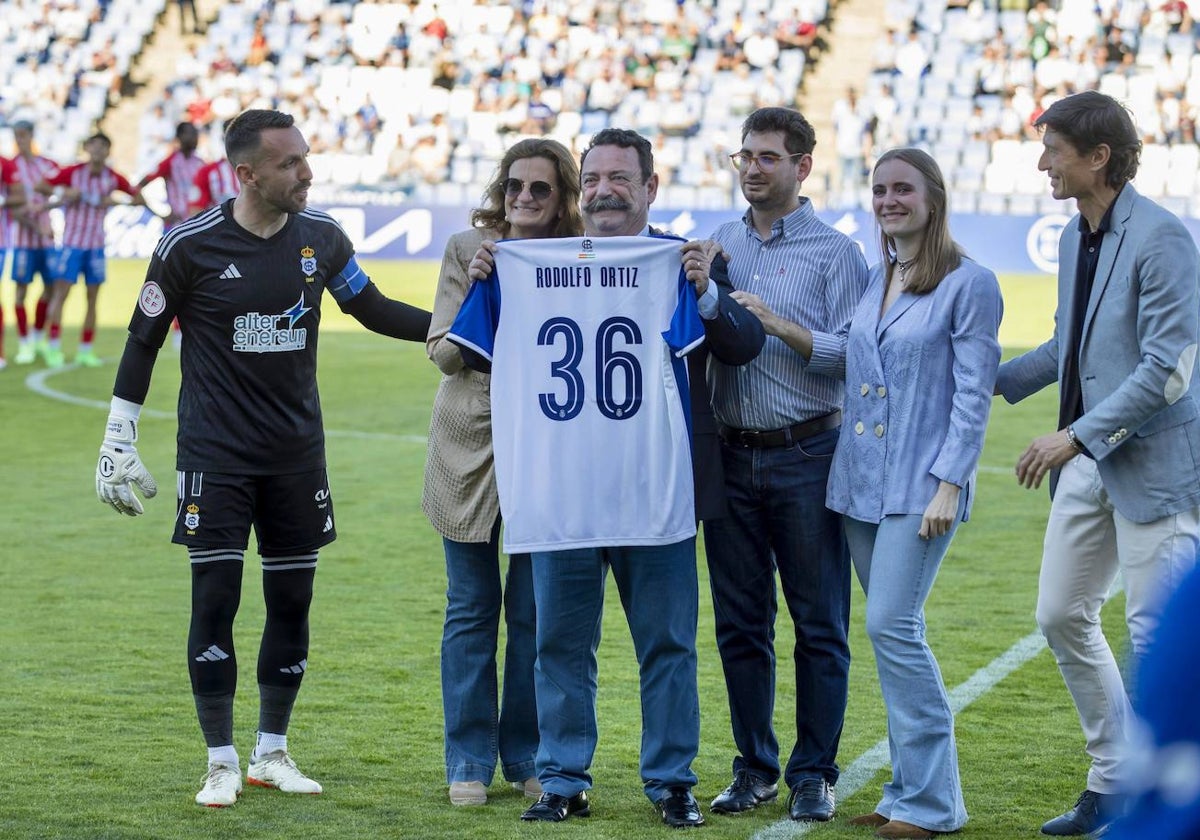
191, 519
308, 260
588, 252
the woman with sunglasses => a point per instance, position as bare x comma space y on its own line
921, 358
534, 194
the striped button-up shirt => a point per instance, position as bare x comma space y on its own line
810, 274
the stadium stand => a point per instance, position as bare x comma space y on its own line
62, 64
425, 97
990, 70
422, 97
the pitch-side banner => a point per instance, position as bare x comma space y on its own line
1005, 244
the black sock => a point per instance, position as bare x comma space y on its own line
215, 712
283, 655
212, 663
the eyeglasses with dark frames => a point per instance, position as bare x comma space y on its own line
766, 162
540, 190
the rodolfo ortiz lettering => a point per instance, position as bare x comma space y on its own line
569, 276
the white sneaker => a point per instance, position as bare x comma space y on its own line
277, 770
468, 793
26, 353
222, 784
530, 787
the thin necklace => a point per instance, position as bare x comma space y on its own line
904, 265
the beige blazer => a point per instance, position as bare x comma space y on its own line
460, 484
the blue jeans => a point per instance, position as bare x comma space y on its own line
896, 569
660, 594
474, 735
777, 520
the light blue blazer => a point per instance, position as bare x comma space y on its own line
919, 386
1137, 359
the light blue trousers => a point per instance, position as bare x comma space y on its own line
896, 569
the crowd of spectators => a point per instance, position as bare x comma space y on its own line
423, 96
62, 63
967, 80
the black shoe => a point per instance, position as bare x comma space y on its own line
551, 807
1093, 812
812, 799
747, 791
680, 809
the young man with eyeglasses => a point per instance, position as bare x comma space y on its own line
778, 418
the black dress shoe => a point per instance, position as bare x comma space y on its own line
747, 791
1092, 813
812, 799
551, 807
680, 809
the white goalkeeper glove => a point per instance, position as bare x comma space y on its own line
119, 467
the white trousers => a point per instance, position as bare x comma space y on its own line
1087, 542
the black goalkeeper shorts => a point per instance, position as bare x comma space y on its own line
291, 514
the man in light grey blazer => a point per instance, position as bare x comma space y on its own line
1123, 465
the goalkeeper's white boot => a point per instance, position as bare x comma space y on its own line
222, 785
277, 770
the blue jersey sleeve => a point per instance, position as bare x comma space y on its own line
687, 330
349, 282
474, 328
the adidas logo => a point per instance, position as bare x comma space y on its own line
299, 668
328, 525
213, 654
231, 273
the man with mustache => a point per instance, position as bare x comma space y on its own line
658, 582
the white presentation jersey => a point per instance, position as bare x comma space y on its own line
590, 411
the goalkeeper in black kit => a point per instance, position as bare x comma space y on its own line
245, 279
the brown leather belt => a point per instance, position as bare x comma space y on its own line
754, 439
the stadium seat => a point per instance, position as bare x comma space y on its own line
1022, 205
345, 170
1183, 162
1151, 178
994, 203
964, 202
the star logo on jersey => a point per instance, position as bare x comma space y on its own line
308, 260
296, 312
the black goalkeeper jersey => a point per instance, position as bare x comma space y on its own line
249, 309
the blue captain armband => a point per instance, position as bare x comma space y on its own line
349, 282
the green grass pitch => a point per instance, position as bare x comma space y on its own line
98, 737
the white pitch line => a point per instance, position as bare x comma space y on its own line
36, 382
864, 768
850, 781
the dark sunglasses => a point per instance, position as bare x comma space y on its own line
540, 190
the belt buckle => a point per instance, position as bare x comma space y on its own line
749, 438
